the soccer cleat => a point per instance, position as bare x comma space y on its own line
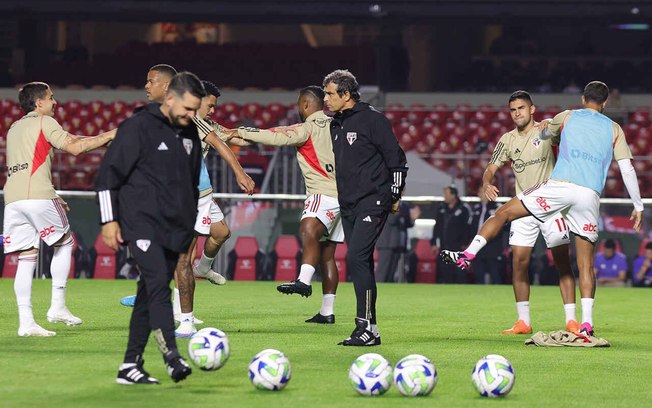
320, 318
361, 336
35, 331
520, 327
185, 329
296, 286
128, 301
456, 258
177, 318
211, 276
178, 369
586, 329
63, 316
133, 373
572, 326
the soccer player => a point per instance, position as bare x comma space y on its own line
147, 194
321, 226
532, 161
210, 219
33, 211
589, 141
371, 169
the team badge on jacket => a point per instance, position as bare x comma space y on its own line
143, 244
536, 142
351, 136
187, 144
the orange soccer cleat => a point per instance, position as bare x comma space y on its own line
520, 327
572, 326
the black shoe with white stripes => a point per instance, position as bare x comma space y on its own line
133, 373
361, 336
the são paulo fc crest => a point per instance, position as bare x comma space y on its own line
536, 142
351, 136
187, 144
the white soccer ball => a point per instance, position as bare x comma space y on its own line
493, 376
415, 375
209, 349
371, 374
270, 370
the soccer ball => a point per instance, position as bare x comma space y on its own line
371, 374
270, 370
493, 376
415, 375
209, 349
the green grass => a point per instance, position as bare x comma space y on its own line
452, 325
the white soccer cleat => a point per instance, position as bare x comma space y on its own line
211, 276
35, 331
185, 329
63, 316
177, 318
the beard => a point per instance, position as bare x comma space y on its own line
179, 121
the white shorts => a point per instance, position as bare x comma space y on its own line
327, 210
525, 231
208, 212
580, 205
26, 222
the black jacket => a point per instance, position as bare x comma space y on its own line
369, 163
148, 180
452, 228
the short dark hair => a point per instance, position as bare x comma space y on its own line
164, 69
345, 82
453, 190
610, 244
520, 94
187, 82
313, 91
211, 88
28, 94
596, 91
648, 245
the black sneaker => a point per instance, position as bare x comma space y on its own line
296, 286
361, 336
178, 369
134, 374
320, 318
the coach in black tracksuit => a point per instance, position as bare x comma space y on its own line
147, 193
371, 169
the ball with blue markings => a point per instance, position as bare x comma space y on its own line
493, 376
270, 370
371, 374
415, 375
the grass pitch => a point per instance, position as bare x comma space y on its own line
453, 325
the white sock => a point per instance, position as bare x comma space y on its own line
126, 365
476, 245
176, 304
569, 309
374, 330
523, 310
187, 317
327, 302
587, 310
306, 272
205, 263
60, 269
23, 288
